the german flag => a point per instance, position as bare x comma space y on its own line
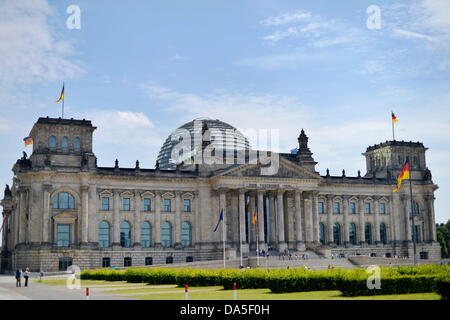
394, 118
403, 176
62, 95
28, 140
254, 220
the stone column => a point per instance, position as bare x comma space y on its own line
432, 222
406, 216
93, 218
242, 220
309, 219
346, 206
396, 212
46, 214
280, 215
329, 219
158, 219
315, 217
252, 208
84, 213
223, 205
260, 220
177, 231
20, 212
234, 216
197, 221
361, 233
116, 218
300, 243
273, 230
377, 219
137, 218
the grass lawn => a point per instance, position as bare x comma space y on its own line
63, 281
265, 294
166, 292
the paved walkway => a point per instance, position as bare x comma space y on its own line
36, 291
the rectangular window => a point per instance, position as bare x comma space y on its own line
105, 204
337, 208
187, 205
169, 259
352, 207
147, 204
63, 235
126, 204
320, 207
367, 206
127, 262
167, 205
382, 208
148, 261
64, 263
423, 255
106, 262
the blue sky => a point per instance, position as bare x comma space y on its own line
140, 69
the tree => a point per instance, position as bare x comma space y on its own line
443, 237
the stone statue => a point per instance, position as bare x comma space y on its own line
137, 164
116, 166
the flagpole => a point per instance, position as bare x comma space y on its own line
257, 248
223, 238
63, 104
412, 215
393, 135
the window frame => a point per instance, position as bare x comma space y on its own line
165, 206
188, 206
62, 242
149, 205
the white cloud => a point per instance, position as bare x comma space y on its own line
286, 18
123, 128
30, 51
411, 35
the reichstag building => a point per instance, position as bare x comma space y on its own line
63, 209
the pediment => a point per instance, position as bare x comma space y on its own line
65, 217
286, 169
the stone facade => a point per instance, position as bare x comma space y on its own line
64, 209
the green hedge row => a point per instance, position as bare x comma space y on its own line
401, 280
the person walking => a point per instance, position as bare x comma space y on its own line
18, 278
26, 275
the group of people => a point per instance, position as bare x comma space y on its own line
19, 274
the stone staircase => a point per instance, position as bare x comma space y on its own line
310, 259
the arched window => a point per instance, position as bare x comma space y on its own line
352, 233
368, 233
125, 234
65, 142
52, 142
76, 143
64, 200
146, 234
322, 233
166, 234
337, 234
103, 234
383, 237
186, 234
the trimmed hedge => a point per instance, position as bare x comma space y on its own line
400, 280
442, 286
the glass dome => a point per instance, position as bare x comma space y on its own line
222, 136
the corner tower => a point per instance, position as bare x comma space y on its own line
61, 143
386, 160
